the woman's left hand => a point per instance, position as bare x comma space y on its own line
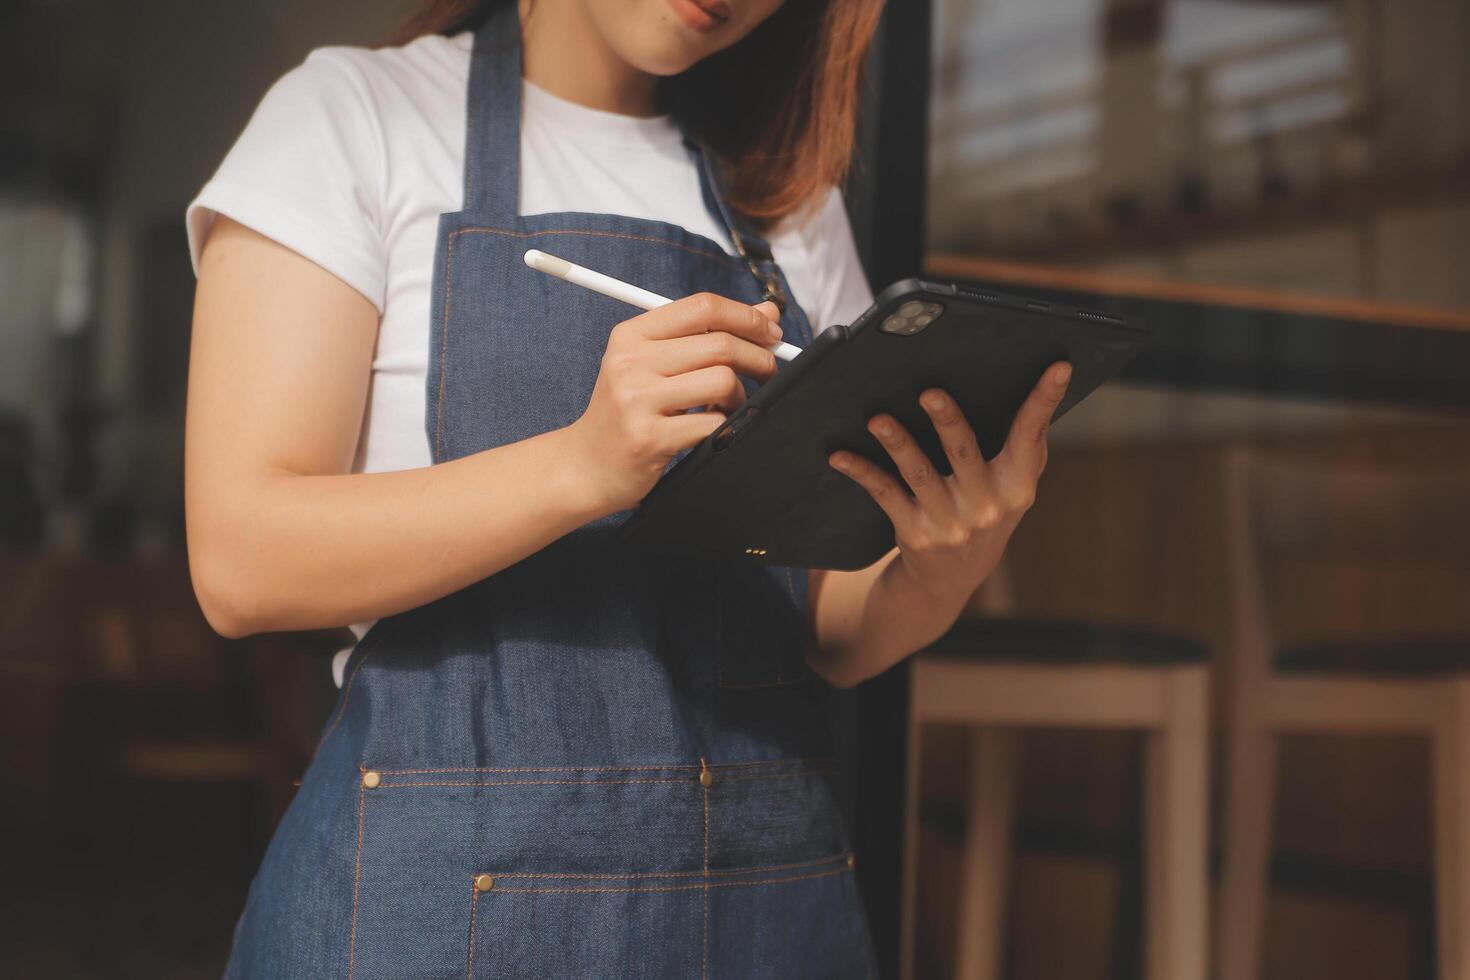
952, 530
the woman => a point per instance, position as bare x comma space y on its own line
550, 757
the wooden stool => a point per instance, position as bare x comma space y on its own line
1001, 674
1359, 519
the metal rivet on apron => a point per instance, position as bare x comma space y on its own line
370, 779
851, 861
483, 883
706, 778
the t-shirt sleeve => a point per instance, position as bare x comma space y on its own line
307, 172
842, 287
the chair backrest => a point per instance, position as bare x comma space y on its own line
1353, 512
1283, 508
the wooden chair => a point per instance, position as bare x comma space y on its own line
1001, 673
1365, 519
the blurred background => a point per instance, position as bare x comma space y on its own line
1230, 641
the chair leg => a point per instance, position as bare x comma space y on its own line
1250, 784
1451, 849
1176, 832
909, 910
985, 870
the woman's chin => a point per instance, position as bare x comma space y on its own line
672, 54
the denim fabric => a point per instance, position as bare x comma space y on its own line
629, 746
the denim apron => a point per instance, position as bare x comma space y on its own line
595, 762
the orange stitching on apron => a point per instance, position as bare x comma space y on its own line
706, 253
581, 876
533, 782
720, 767
356, 882
704, 886
704, 962
474, 905
672, 888
778, 775
603, 782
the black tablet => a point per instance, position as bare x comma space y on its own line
760, 488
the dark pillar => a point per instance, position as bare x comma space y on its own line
885, 196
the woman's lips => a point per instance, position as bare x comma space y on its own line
702, 15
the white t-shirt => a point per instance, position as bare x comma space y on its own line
351, 157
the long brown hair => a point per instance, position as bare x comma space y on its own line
779, 108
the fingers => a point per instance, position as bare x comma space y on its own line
716, 385
884, 489
679, 432
913, 464
704, 312
958, 439
679, 355
1026, 443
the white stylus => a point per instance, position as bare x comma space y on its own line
617, 289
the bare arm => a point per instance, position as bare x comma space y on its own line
282, 535
869, 619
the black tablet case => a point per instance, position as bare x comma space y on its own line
760, 488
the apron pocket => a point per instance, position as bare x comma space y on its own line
589, 871
808, 920
539, 924
760, 626
805, 916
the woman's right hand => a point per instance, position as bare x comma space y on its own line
657, 364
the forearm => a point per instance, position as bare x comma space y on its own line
868, 620
282, 536
286, 551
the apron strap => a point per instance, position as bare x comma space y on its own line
492, 168
749, 244
492, 151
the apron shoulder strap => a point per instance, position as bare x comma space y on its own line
492, 151
751, 246
492, 164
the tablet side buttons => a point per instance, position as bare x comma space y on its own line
734, 427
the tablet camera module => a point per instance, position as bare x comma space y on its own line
911, 317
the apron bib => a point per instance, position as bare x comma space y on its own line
596, 762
